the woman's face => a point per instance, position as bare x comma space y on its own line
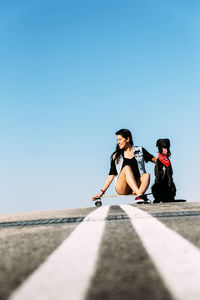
122, 142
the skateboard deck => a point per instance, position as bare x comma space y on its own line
98, 201
175, 201
179, 200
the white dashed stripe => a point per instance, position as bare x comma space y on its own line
67, 271
177, 260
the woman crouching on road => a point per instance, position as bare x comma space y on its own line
127, 164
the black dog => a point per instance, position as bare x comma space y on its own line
163, 189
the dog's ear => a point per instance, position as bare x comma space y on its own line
167, 141
157, 143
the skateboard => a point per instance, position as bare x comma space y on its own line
98, 201
179, 200
175, 201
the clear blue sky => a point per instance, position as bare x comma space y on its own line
74, 72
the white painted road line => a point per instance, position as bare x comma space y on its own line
67, 271
176, 259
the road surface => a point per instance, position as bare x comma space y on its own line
112, 252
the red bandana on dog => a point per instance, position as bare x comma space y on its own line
164, 159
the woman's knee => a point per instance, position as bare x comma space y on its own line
126, 169
145, 176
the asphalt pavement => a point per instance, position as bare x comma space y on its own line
124, 268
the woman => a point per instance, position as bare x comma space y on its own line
127, 164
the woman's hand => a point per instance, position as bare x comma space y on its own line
154, 160
97, 196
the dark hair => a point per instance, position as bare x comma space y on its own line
125, 133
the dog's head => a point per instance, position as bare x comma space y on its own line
163, 146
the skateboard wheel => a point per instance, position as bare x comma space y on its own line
98, 203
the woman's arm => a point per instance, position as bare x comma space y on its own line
148, 157
107, 183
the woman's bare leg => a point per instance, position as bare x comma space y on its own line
126, 182
144, 179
